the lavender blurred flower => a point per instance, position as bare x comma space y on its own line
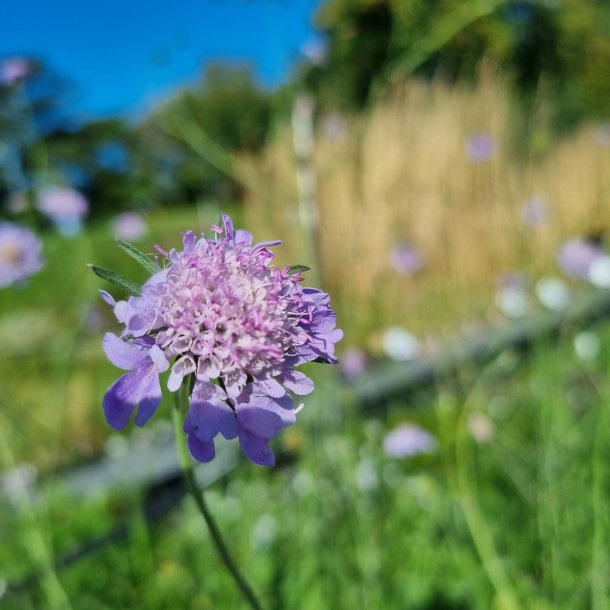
20, 254
480, 147
408, 440
576, 256
406, 259
314, 51
65, 207
235, 327
535, 212
129, 226
334, 126
14, 70
399, 344
353, 363
603, 134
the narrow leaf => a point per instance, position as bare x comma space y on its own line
119, 280
294, 269
149, 263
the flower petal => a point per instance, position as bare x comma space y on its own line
297, 382
271, 387
207, 418
140, 387
182, 367
257, 449
203, 451
126, 356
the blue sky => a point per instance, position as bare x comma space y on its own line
121, 55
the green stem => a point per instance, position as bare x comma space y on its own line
191, 483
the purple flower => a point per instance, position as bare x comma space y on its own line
480, 147
353, 363
65, 207
576, 256
129, 226
408, 440
231, 325
406, 259
14, 69
20, 254
535, 212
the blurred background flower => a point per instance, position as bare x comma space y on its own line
20, 254
406, 259
129, 226
576, 256
65, 207
480, 147
408, 440
13, 70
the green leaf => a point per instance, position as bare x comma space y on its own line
119, 280
294, 269
149, 263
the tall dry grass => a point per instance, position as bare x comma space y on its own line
399, 173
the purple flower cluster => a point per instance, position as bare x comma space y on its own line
65, 207
576, 256
480, 147
234, 328
14, 70
20, 254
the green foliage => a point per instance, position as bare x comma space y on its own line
516, 521
561, 47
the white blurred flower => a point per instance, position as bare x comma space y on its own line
599, 271
17, 484
303, 483
481, 428
512, 301
553, 293
399, 344
367, 477
587, 346
263, 532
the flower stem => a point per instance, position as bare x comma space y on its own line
189, 476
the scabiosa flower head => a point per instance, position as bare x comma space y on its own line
20, 254
535, 212
129, 226
576, 256
406, 259
65, 207
480, 147
354, 363
14, 70
512, 297
234, 328
408, 440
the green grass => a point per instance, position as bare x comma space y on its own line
520, 521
